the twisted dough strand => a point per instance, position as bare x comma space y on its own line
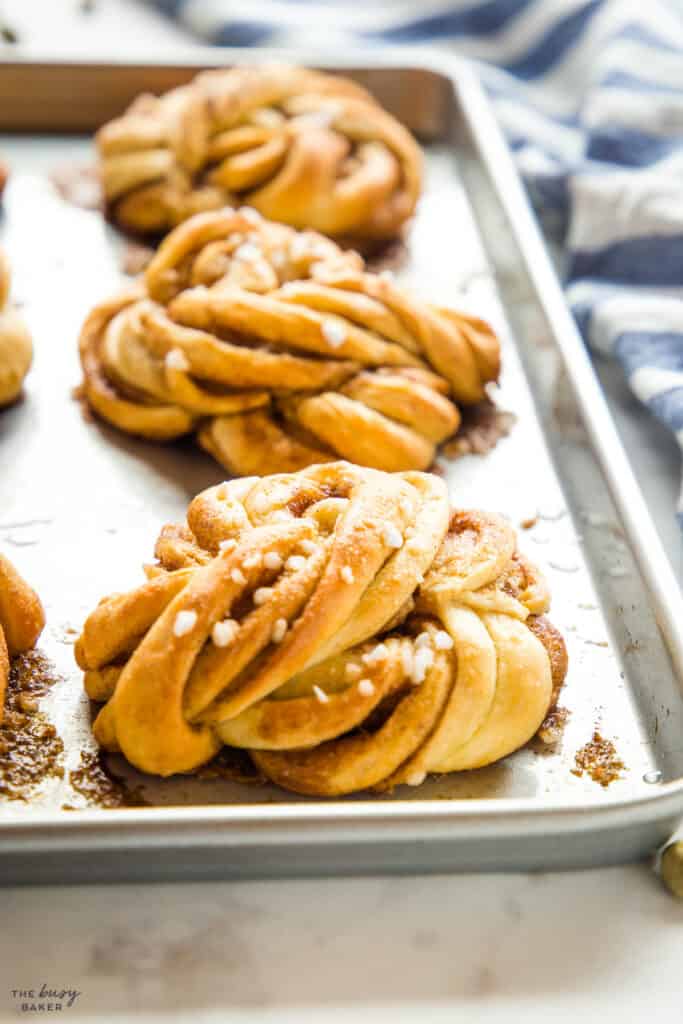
303, 148
281, 351
21, 620
338, 623
16, 346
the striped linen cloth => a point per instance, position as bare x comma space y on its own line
590, 96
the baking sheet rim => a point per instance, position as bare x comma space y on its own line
660, 581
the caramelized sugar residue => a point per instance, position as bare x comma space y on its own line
552, 728
30, 748
383, 255
94, 781
482, 427
230, 765
600, 760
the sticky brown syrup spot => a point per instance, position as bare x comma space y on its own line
30, 748
100, 787
600, 760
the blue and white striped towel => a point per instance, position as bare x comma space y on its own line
590, 95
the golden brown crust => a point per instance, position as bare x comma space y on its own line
338, 623
21, 619
556, 649
21, 613
16, 346
4, 672
281, 351
303, 148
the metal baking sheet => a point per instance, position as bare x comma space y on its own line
81, 506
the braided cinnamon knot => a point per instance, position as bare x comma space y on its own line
280, 350
302, 147
16, 346
21, 620
340, 624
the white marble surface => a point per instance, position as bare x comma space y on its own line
601, 945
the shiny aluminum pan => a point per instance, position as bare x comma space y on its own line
81, 506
